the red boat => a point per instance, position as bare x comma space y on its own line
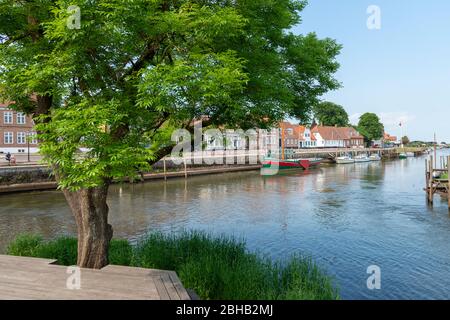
304, 164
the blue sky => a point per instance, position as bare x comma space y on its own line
401, 72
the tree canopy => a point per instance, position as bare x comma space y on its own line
370, 127
135, 70
331, 114
405, 140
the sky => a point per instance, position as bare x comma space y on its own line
400, 71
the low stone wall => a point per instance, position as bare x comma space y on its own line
19, 175
14, 179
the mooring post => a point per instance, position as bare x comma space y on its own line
448, 181
427, 178
165, 174
430, 187
185, 169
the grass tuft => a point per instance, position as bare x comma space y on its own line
216, 268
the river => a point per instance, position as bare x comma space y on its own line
347, 217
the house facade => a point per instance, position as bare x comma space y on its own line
290, 136
337, 137
16, 131
303, 137
307, 138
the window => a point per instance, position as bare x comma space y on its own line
21, 119
8, 117
290, 131
21, 138
8, 138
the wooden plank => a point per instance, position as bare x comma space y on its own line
171, 291
182, 292
16, 259
31, 278
163, 295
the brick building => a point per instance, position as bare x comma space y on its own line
15, 128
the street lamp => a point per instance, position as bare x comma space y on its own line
28, 144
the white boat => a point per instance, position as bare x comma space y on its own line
410, 154
362, 158
344, 160
375, 157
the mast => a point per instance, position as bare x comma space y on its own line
435, 151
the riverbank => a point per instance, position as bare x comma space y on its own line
43, 181
217, 268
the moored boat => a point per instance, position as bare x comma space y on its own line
345, 160
375, 157
291, 164
362, 158
410, 155
403, 156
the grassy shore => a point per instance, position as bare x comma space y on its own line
214, 267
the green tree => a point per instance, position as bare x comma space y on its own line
405, 140
331, 114
136, 70
370, 127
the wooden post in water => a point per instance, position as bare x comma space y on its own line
430, 184
185, 169
427, 179
448, 181
165, 174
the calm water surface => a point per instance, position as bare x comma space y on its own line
347, 217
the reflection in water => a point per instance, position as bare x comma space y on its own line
347, 217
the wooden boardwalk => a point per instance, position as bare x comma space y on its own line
40, 279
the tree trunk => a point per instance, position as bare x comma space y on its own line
90, 210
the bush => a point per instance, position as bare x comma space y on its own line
218, 268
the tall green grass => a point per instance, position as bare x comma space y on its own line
218, 268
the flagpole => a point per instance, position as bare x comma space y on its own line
401, 135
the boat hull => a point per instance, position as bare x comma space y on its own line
303, 164
345, 161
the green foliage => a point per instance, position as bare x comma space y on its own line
136, 70
214, 267
405, 140
370, 127
24, 246
331, 114
120, 252
64, 249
